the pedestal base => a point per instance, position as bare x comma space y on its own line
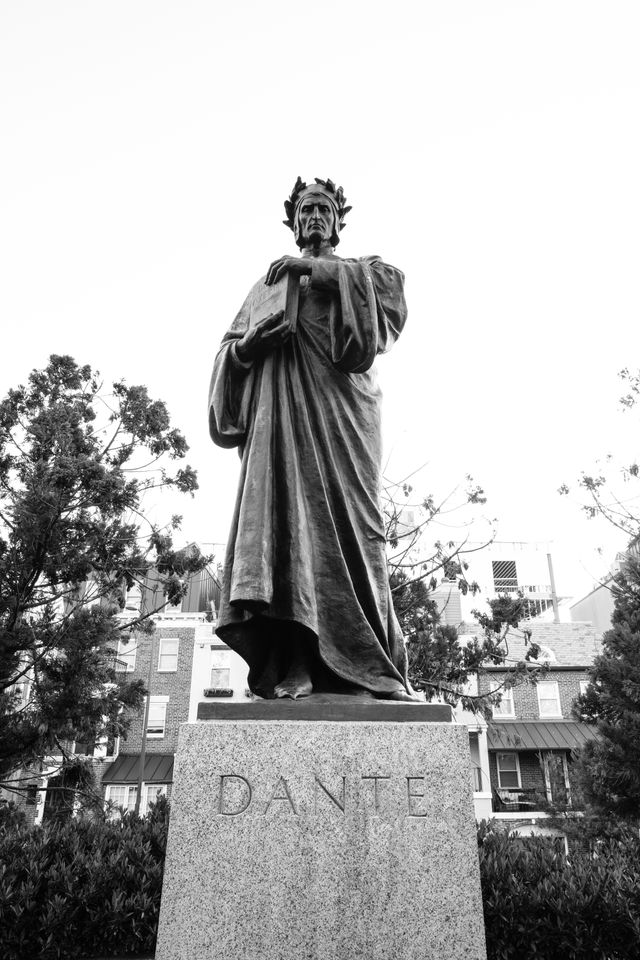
322, 840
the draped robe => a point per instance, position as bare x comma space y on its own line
307, 541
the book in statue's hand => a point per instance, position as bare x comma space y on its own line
283, 295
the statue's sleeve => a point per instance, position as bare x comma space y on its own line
370, 309
231, 386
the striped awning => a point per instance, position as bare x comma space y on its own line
158, 768
539, 735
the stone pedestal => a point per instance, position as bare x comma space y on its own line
314, 839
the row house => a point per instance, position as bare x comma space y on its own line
522, 758
182, 663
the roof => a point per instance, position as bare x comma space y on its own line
572, 644
603, 585
539, 735
158, 768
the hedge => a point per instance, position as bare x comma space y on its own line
90, 888
83, 888
541, 903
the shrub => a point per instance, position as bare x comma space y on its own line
539, 903
11, 817
84, 888
90, 888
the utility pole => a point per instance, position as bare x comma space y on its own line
554, 595
145, 724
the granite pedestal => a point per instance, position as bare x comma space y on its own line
298, 838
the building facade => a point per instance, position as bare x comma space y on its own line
525, 753
521, 759
182, 663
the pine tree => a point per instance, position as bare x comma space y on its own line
611, 766
76, 461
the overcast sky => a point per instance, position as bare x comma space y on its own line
489, 149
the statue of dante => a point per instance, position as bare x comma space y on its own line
305, 595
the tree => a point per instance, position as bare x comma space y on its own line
610, 768
76, 464
612, 492
439, 665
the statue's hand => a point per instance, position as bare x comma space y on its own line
267, 335
299, 266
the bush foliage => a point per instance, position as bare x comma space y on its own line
85, 888
540, 903
90, 888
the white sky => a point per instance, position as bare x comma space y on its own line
490, 149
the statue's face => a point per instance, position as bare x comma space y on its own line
315, 219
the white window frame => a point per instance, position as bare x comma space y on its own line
21, 689
157, 789
219, 684
102, 745
509, 753
506, 707
162, 653
220, 660
130, 790
133, 600
554, 713
127, 652
583, 686
157, 702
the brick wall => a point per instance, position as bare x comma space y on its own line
176, 686
531, 775
525, 695
531, 772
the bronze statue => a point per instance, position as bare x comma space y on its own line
305, 596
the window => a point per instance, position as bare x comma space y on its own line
106, 746
126, 661
505, 708
157, 717
549, 699
220, 670
22, 690
133, 599
508, 771
121, 796
584, 684
168, 656
220, 677
150, 793
505, 578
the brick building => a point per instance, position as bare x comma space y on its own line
532, 738
182, 663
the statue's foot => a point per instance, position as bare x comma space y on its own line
403, 696
294, 686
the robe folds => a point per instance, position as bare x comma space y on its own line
307, 542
